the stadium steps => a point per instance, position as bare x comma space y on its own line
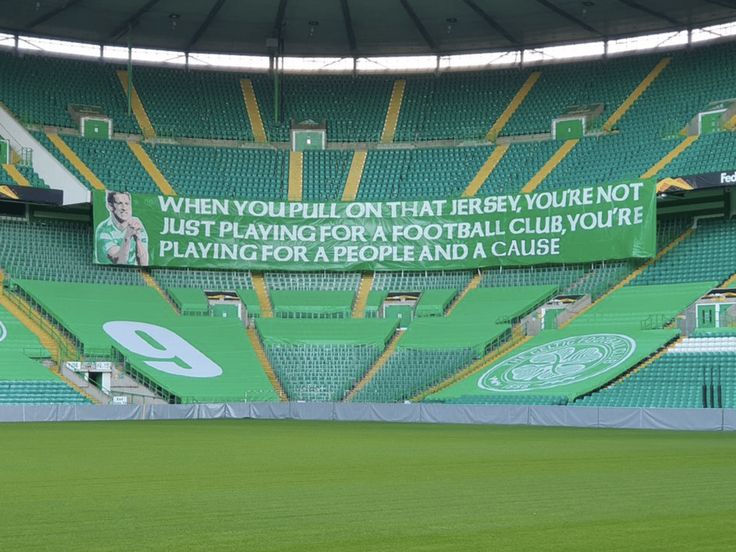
674, 243
76, 162
361, 298
472, 284
636, 94
147, 163
136, 105
296, 175
261, 289
58, 345
517, 339
153, 284
549, 166
494, 158
392, 113
380, 362
671, 156
729, 282
254, 112
730, 124
514, 104
17, 177
352, 184
257, 344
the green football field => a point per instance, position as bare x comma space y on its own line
316, 486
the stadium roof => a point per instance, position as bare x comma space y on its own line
354, 27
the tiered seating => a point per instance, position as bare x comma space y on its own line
455, 106
711, 153
708, 254
320, 372
189, 300
420, 173
211, 107
23, 381
420, 281
601, 278
568, 84
518, 166
39, 90
56, 250
16, 338
226, 366
502, 400
354, 107
677, 379
434, 302
223, 172
560, 276
207, 280
30, 175
410, 371
325, 173
313, 281
110, 160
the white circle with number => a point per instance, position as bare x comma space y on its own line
557, 363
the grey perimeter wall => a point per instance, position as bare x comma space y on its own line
627, 418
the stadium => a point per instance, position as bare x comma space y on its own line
350, 275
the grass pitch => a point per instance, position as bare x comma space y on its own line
303, 486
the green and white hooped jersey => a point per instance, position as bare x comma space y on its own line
108, 235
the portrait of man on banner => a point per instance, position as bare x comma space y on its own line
121, 239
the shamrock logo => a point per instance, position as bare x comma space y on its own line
563, 363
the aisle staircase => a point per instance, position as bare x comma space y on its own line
296, 175
254, 112
671, 156
514, 104
15, 174
136, 105
352, 183
494, 158
380, 362
261, 289
153, 284
392, 113
549, 166
150, 167
255, 341
472, 284
76, 162
361, 298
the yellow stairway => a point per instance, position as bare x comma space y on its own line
636, 94
296, 175
667, 159
76, 162
152, 283
392, 113
254, 112
147, 163
472, 284
517, 339
486, 169
380, 362
549, 166
514, 104
255, 341
361, 299
259, 286
354, 176
137, 105
15, 174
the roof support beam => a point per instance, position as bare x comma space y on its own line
562, 13
205, 24
348, 25
724, 3
52, 13
418, 24
653, 13
132, 21
278, 25
492, 22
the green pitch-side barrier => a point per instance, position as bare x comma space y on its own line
186, 358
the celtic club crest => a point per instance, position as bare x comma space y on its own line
3, 331
561, 362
